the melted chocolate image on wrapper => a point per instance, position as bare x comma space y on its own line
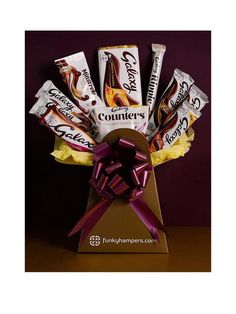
158, 52
119, 72
173, 96
50, 94
67, 130
109, 119
178, 123
197, 98
75, 73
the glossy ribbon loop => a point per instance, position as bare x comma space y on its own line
119, 171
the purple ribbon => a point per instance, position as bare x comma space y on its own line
119, 171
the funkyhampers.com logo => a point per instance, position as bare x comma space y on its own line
94, 240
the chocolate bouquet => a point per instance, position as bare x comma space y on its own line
123, 139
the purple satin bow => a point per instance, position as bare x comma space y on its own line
118, 171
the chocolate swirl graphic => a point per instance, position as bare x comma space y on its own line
114, 94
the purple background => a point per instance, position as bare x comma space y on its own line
56, 194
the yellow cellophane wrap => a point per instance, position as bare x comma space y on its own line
65, 154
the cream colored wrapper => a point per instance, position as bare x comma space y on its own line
197, 98
75, 73
158, 52
109, 119
50, 95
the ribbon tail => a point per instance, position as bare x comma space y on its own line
89, 220
147, 217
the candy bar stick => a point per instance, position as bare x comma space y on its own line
179, 123
67, 130
172, 97
158, 52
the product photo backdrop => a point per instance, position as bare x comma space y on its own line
56, 194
